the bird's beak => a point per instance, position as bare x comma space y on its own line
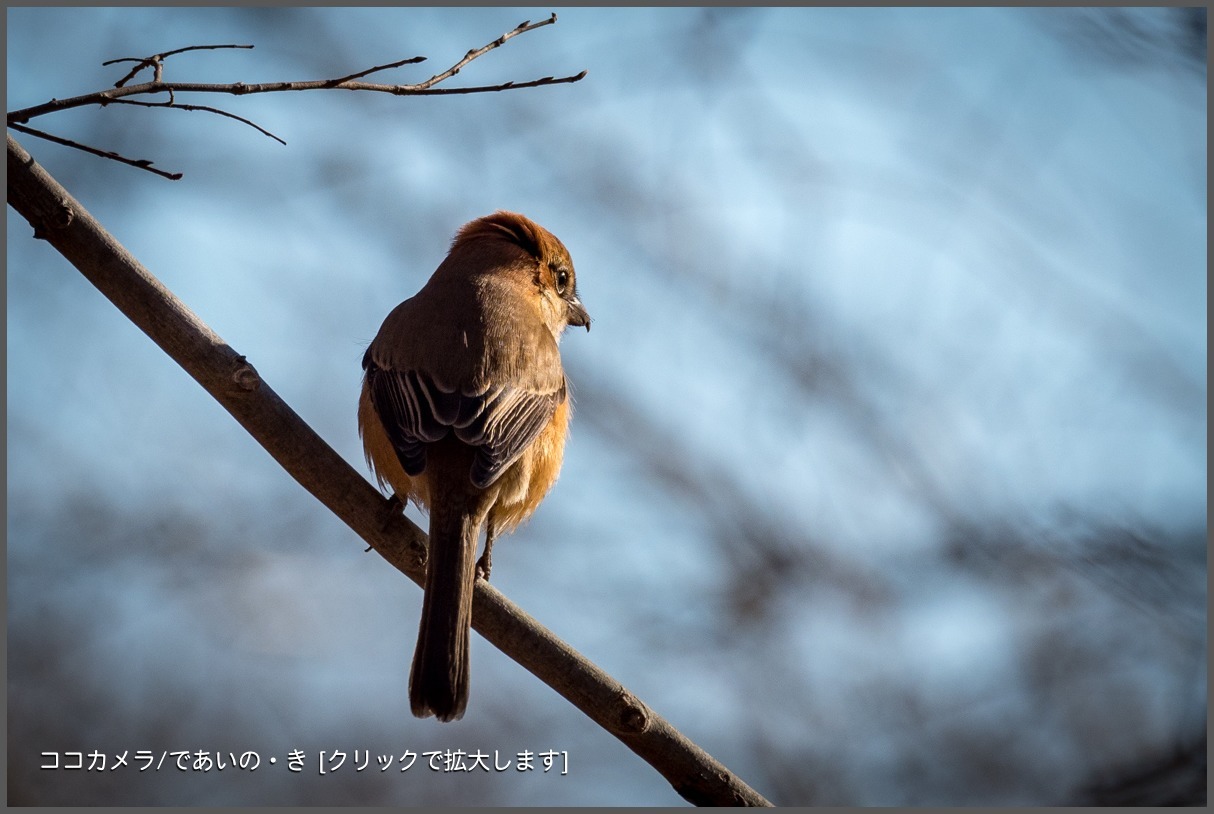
577, 314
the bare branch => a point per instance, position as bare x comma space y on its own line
57, 217
206, 108
106, 97
424, 88
534, 83
157, 61
175, 51
141, 163
118, 93
390, 65
521, 28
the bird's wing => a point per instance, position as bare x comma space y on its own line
500, 422
505, 423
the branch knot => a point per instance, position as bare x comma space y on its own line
245, 376
634, 717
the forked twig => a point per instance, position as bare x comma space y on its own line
521, 28
157, 61
121, 90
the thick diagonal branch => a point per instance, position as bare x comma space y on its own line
58, 218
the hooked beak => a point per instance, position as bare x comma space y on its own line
577, 314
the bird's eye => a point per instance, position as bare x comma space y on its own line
562, 281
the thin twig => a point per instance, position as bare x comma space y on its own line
174, 52
204, 108
141, 163
390, 65
521, 28
534, 83
157, 61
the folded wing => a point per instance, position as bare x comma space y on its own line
499, 423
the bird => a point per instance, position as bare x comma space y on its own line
464, 410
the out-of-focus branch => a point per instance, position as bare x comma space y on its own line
121, 89
58, 218
1175, 776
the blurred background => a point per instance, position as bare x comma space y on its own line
887, 483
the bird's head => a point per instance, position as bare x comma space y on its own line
536, 252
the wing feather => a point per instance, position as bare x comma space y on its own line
500, 423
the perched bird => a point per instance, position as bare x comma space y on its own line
464, 410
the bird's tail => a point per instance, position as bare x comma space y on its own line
438, 682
